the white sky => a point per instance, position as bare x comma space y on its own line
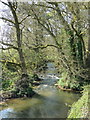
2, 24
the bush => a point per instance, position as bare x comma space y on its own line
8, 79
71, 83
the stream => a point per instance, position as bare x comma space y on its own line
49, 102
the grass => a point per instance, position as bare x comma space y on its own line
80, 109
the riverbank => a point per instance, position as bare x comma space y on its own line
81, 109
10, 94
49, 102
7, 95
67, 89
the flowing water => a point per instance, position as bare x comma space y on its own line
49, 102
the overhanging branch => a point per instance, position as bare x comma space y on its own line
5, 61
7, 48
36, 17
41, 47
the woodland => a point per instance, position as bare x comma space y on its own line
35, 33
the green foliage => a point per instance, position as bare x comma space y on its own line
12, 83
47, 26
23, 86
63, 80
80, 108
24, 92
12, 66
69, 83
8, 79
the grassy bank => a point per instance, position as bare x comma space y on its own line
81, 109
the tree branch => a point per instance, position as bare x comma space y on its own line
6, 48
10, 46
24, 19
4, 3
72, 25
45, 6
5, 61
36, 17
7, 20
41, 47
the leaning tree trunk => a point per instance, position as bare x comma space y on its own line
22, 85
19, 40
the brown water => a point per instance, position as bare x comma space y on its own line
48, 103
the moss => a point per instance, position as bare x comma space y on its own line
80, 109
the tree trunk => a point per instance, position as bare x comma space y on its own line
19, 40
22, 85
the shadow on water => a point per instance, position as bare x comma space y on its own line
49, 102
43, 105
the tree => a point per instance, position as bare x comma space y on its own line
22, 85
69, 17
